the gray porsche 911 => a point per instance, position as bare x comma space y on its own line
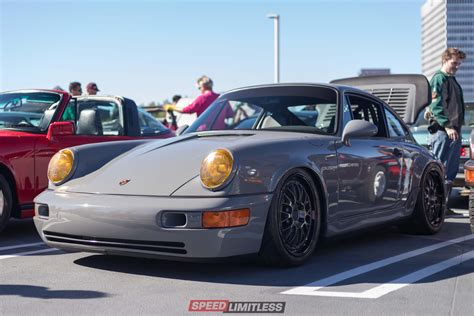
266, 170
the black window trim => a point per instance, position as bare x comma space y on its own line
378, 102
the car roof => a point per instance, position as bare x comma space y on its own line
299, 84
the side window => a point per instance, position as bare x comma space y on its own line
395, 128
109, 114
101, 118
69, 113
366, 109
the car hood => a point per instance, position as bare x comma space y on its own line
161, 167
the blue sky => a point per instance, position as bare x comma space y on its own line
151, 50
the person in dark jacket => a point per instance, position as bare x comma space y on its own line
447, 108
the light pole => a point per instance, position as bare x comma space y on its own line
276, 19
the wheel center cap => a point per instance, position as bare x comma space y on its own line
301, 214
298, 213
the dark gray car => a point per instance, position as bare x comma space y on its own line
266, 170
398, 92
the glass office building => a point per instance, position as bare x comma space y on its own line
448, 23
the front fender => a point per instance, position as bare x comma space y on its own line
260, 169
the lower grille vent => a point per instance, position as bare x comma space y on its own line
155, 246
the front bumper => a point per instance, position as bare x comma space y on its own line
132, 225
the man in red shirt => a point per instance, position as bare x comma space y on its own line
202, 102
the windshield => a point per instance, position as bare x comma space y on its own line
31, 111
316, 114
149, 125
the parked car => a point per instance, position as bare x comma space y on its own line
318, 161
469, 176
35, 124
397, 96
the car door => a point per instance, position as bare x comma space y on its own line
401, 137
369, 169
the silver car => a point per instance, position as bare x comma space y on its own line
266, 170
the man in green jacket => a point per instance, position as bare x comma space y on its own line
447, 108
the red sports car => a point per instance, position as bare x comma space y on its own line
35, 124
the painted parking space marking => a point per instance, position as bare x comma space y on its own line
26, 253
459, 213
315, 287
21, 246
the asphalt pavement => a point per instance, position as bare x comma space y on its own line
383, 272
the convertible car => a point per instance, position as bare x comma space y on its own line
266, 170
35, 124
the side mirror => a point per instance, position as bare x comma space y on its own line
358, 128
181, 129
60, 129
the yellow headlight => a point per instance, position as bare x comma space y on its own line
216, 168
60, 166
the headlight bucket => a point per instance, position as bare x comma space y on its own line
61, 166
216, 169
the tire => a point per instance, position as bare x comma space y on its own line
471, 210
428, 214
5, 202
293, 222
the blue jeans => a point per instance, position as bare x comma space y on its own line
447, 151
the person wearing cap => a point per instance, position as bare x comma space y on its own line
202, 102
92, 88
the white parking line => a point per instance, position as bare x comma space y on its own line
21, 246
314, 287
26, 253
460, 213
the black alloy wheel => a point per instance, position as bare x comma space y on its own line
429, 211
296, 218
293, 221
433, 199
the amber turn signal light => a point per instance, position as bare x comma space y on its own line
223, 219
469, 175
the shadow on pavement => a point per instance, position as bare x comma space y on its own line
45, 293
331, 258
20, 229
457, 201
